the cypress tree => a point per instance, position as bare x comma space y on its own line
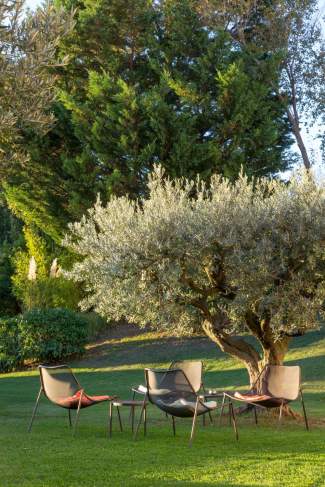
147, 82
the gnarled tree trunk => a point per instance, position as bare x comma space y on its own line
273, 351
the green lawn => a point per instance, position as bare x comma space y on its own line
264, 456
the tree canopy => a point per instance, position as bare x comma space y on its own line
225, 259
148, 83
28, 44
95, 93
292, 32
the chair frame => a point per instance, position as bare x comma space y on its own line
43, 391
132, 404
257, 406
136, 390
199, 401
201, 388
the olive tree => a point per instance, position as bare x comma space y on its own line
229, 260
28, 44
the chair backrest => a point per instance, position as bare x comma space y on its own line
192, 370
168, 385
58, 382
282, 381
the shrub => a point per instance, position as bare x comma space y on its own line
44, 287
96, 324
52, 334
10, 348
49, 292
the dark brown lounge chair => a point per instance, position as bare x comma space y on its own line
193, 370
171, 391
60, 386
276, 386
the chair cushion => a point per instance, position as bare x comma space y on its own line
72, 402
251, 396
263, 400
181, 404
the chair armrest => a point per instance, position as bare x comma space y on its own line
140, 389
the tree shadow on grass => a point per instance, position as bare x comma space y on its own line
309, 338
112, 353
143, 350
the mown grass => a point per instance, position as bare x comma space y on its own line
264, 455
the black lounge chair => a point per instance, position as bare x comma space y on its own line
276, 386
171, 391
193, 370
60, 386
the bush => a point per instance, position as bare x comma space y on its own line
46, 288
10, 348
48, 293
96, 324
52, 334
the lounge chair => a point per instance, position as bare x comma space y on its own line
193, 370
276, 387
60, 386
171, 391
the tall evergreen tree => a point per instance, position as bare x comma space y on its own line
147, 82
10, 238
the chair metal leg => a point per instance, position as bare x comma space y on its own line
140, 419
132, 418
222, 408
77, 416
130, 415
255, 414
35, 410
233, 417
110, 427
174, 427
229, 411
280, 414
304, 410
145, 420
194, 421
210, 416
119, 418
69, 415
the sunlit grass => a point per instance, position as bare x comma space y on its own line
264, 455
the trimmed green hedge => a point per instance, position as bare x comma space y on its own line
10, 349
41, 335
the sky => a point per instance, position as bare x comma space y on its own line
311, 142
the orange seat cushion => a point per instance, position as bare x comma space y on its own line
251, 396
72, 402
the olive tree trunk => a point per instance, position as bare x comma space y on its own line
273, 351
